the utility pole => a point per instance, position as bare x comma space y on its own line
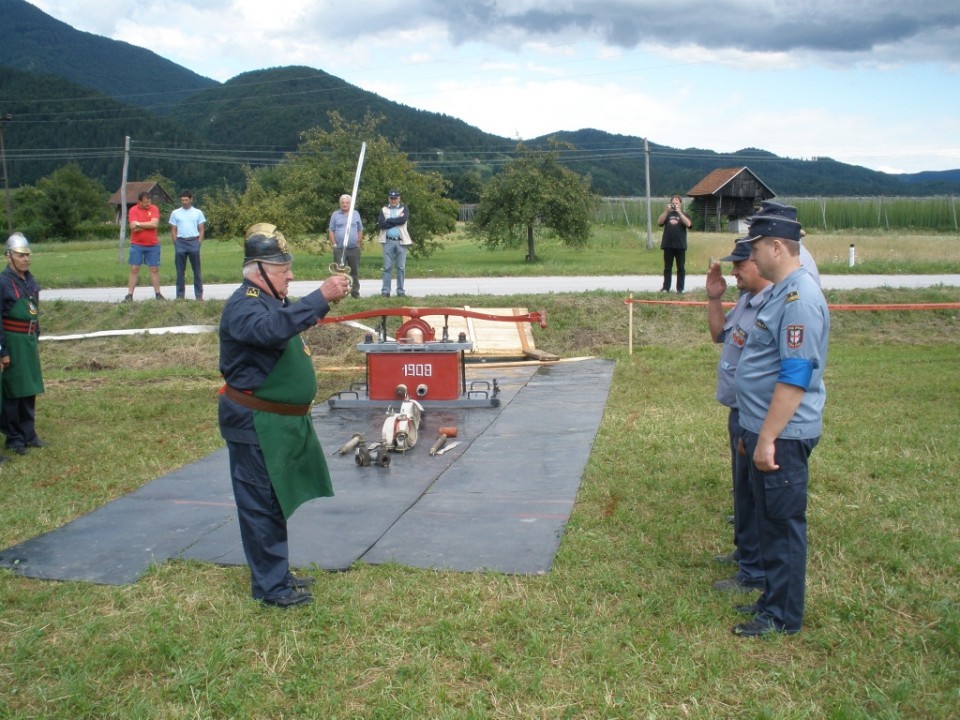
6, 178
646, 156
123, 199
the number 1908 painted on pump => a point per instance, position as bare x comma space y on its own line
418, 370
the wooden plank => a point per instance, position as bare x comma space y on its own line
490, 338
541, 355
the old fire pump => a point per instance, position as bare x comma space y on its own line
418, 370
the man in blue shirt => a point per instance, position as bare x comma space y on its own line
187, 225
780, 394
340, 236
732, 329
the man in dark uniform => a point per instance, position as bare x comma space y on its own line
19, 350
276, 462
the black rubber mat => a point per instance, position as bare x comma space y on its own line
498, 501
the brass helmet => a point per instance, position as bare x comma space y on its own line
264, 243
18, 243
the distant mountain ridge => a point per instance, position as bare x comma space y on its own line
162, 104
32, 41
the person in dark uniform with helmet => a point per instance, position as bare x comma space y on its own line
22, 380
276, 462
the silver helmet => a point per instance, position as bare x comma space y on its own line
18, 243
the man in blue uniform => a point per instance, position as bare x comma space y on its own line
276, 462
780, 393
732, 330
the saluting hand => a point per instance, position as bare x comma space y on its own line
716, 284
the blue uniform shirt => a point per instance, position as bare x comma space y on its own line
736, 328
787, 344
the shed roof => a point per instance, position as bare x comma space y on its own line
717, 180
135, 188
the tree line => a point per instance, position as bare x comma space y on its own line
533, 194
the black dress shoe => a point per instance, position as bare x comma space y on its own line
735, 584
297, 597
302, 582
760, 627
38, 443
18, 450
751, 609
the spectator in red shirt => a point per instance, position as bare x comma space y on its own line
144, 217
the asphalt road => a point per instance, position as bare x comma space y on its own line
425, 287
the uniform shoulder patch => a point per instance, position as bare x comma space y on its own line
792, 296
794, 336
253, 292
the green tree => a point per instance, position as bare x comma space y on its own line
532, 192
230, 212
28, 213
300, 194
60, 203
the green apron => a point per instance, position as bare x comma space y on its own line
22, 378
291, 450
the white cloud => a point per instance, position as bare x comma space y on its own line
831, 72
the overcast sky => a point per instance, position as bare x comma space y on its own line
868, 82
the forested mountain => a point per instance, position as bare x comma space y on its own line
32, 41
616, 162
55, 122
200, 132
270, 108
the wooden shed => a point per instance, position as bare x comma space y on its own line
158, 195
728, 195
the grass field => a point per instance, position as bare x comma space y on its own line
625, 625
612, 250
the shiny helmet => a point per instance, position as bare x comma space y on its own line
264, 243
17, 243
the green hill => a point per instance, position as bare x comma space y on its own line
55, 122
270, 108
32, 41
616, 163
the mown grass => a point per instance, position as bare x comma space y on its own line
625, 625
612, 250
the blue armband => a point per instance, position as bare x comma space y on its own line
796, 371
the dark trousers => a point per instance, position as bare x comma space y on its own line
746, 537
263, 528
352, 260
781, 507
18, 420
669, 255
180, 262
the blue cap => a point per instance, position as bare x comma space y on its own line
771, 207
741, 251
772, 226
393, 194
